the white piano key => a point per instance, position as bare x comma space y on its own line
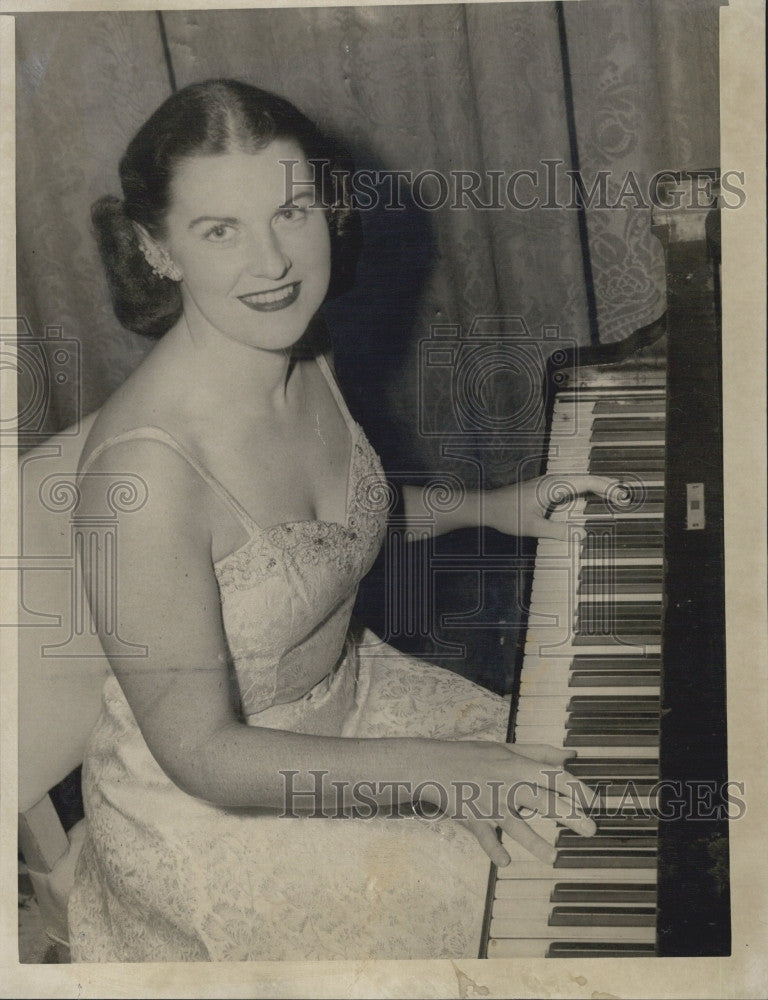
551, 642
530, 868
504, 928
551, 737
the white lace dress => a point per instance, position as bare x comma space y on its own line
164, 876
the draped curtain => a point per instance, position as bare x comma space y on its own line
444, 87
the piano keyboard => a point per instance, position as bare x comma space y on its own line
590, 681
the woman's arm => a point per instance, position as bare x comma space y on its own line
518, 509
168, 602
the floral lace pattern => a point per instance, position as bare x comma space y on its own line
287, 594
167, 877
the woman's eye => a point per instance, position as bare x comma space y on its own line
292, 213
218, 232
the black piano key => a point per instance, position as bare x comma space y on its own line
605, 550
607, 721
612, 723
627, 788
649, 499
603, 892
639, 423
627, 610
594, 585
600, 949
598, 506
644, 468
617, 630
622, 574
630, 404
620, 819
648, 638
585, 719
652, 453
619, 663
609, 858
602, 916
613, 768
610, 838
651, 433
609, 705
608, 625
633, 526
596, 678
629, 739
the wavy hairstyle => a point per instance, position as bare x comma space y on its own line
208, 118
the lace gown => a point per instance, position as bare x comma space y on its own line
164, 876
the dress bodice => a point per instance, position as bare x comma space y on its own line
287, 593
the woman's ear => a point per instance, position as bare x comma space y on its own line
157, 256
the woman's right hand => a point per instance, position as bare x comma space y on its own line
486, 785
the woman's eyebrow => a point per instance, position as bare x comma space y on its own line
230, 220
305, 192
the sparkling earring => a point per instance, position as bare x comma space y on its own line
160, 262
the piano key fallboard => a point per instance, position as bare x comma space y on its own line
623, 658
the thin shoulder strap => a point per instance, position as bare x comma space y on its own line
325, 368
151, 433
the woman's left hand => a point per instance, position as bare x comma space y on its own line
521, 509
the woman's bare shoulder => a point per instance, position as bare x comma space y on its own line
146, 407
144, 444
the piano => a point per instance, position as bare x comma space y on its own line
623, 659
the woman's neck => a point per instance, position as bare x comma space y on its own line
230, 373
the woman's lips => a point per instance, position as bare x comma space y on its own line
279, 298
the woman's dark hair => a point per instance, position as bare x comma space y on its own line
208, 118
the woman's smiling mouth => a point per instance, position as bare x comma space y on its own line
271, 301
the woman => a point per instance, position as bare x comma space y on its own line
238, 575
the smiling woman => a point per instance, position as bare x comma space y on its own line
251, 248
259, 704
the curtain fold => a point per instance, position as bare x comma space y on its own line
85, 82
442, 88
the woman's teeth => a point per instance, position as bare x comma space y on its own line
274, 299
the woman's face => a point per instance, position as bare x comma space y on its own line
253, 251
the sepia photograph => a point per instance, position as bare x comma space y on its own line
381, 589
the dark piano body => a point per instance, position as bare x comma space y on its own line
685, 849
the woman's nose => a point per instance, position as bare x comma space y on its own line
266, 257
